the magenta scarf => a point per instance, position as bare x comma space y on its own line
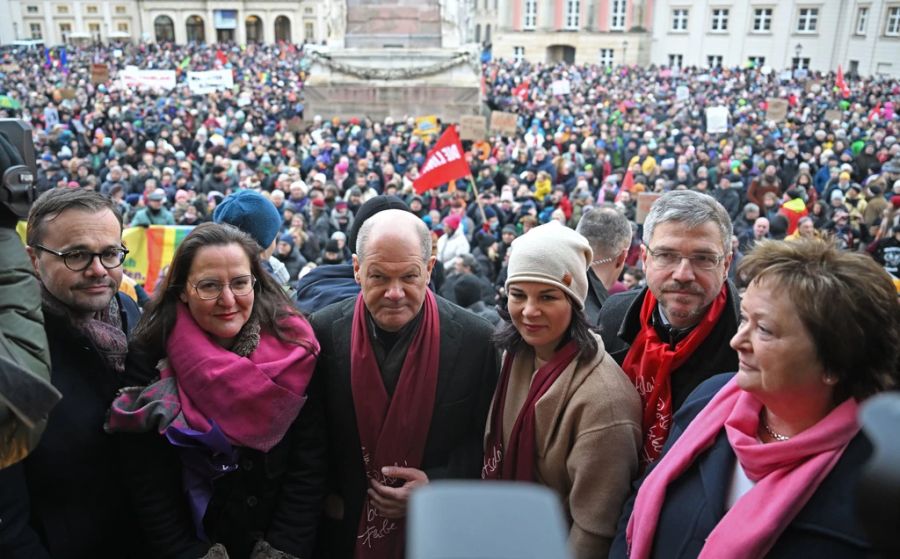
252, 399
392, 430
516, 462
786, 474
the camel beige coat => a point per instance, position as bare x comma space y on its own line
588, 429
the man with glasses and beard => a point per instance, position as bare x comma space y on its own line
673, 334
77, 502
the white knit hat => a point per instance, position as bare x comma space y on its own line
552, 254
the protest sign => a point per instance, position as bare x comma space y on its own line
717, 120
472, 127
682, 93
504, 123
777, 109
561, 87
99, 73
644, 202
67, 93
135, 78
833, 114
202, 83
426, 126
295, 124
51, 117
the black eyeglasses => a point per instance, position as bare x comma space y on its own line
79, 260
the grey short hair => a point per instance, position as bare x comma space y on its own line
392, 216
691, 208
607, 231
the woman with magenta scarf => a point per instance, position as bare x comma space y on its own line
223, 436
564, 414
765, 462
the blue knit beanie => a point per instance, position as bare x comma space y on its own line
252, 213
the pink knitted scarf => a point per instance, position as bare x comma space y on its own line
786, 474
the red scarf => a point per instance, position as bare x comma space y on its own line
392, 430
522, 439
650, 363
786, 473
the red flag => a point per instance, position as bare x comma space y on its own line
444, 163
521, 91
220, 56
875, 112
628, 180
841, 84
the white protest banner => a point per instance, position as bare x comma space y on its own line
201, 83
717, 120
135, 78
561, 87
51, 117
682, 92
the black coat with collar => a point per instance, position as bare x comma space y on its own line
467, 375
825, 528
596, 296
620, 323
75, 489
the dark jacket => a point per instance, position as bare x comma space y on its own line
620, 323
827, 527
325, 285
466, 378
596, 296
274, 496
75, 488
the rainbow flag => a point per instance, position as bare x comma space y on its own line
150, 250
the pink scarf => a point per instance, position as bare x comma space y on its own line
252, 399
786, 473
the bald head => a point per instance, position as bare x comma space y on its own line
400, 226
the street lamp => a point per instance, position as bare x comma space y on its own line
625, 52
797, 51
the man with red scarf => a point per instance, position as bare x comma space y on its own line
408, 377
673, 334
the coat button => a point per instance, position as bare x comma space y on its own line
252, 501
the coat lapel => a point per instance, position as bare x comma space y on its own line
716, 469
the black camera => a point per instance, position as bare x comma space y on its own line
17, 163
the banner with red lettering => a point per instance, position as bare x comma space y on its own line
445, 162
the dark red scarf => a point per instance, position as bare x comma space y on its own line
650, 363
392, 431
517, 461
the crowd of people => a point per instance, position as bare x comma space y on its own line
326, 340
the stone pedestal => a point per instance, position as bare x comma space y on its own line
395, 58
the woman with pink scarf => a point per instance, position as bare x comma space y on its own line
224, 442
764, 463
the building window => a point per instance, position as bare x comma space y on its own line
121, 9
808, 20
309, 31
31, 9
719, 20
62, 9
91, 9
676, 60
606, 57
518, 54
573, 14
892, 27
757, 61
800, 63
64, 30
714, 60
529, 21
122, 27
617, 15
308, 11
477, 32
36, 32
679, 19
762, 20
862, 20
94, 28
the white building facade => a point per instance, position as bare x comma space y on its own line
862, 36
78, 20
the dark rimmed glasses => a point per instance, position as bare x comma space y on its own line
79, 260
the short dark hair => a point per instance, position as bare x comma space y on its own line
270, 306
847, 303
507, 338
53, 202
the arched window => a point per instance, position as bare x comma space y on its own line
165, 29
477, 32
487, 33
254, 30
196, 31
282, 29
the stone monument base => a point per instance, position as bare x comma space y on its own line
382, 82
